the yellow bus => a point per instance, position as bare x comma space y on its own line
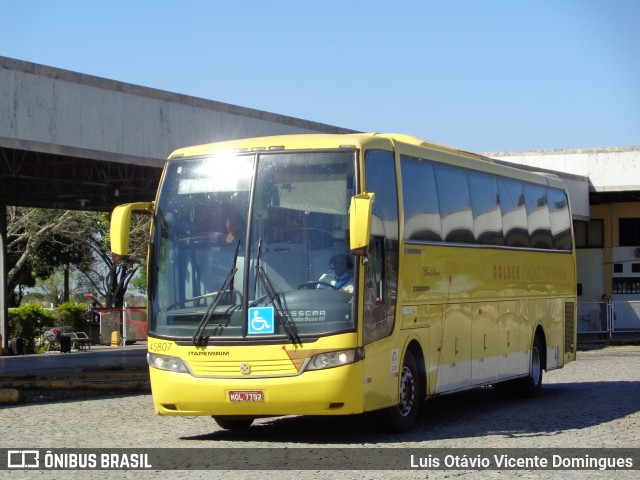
344, 274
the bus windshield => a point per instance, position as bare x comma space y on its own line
253, 247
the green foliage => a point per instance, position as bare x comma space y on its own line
29, 322
139, 281
42, 241
39, 241
74, 315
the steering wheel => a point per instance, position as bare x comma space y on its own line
236, 294
314, 284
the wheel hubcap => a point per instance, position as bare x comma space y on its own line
535, 366
407, 392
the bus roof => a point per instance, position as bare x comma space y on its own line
311, 140
388, 141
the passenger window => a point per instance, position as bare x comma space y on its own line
514, 214
455, 206
419, 194
538, 216
485, 205
560, 219
380, 179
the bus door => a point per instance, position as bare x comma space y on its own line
383, 360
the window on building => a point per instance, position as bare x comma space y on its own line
580, 233
595, 234
626, 285
618, 268
589, 234
635, 268
629, 232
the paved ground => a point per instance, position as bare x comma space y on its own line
592, 403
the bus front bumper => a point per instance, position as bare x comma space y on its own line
334, 391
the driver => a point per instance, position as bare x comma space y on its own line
340, 275
234, 229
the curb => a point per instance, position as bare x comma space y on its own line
9, 395
25, 389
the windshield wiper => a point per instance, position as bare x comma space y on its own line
198, 337
274, 298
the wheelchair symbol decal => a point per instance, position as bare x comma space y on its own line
261, 320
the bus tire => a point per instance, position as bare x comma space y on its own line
531, 386
402, 417
234, 423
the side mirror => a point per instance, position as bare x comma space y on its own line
121, 226
360, 222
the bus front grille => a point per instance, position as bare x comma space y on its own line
251, 368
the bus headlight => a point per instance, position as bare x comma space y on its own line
335, 359
166, 362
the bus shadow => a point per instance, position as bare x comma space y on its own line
560, 407
474, 413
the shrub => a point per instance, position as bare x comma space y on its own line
29, 322
74, 315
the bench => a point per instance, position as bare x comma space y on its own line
79, 340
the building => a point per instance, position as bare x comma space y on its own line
608, 238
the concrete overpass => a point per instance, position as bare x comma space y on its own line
75, 141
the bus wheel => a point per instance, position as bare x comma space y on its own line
402, 417
531, 386
234, 423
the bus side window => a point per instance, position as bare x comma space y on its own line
381, 271
375, 323
378, 270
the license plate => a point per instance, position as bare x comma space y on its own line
246, 395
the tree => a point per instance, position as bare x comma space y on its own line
139, 282
38, 242
41, 241
106, 277
122, 273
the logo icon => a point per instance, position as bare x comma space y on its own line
261, 320
23, 459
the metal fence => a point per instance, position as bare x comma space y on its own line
603, 318
607, 318
129, 323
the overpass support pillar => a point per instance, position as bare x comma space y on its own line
4, 325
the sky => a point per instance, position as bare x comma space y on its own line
482, 75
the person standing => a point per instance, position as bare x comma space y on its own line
604, 313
